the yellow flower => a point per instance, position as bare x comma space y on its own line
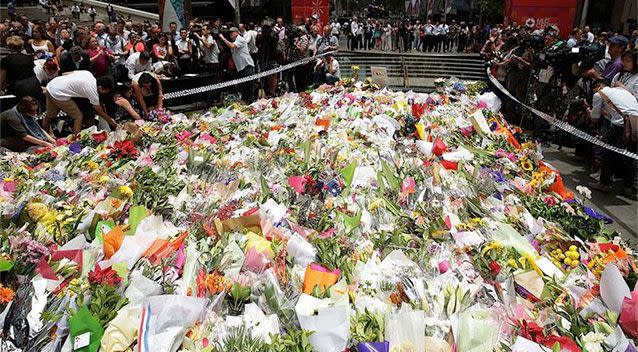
8, 179
126, 190
356, 68
91, 165
526, 165
36, 210
104, 179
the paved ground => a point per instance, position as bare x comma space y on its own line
623, 210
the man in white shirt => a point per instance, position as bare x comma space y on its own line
75, 11
444, 29
243, 61
428, 29
354, 34
327, 71
575, 37
589, 36
209, 48
615, 105
251, 39
336, 28
61, 91
436, 33
138, 62
100, 34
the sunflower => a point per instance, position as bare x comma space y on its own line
526, 165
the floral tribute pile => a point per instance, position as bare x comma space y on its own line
344, 219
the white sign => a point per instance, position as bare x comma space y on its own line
379, 75
81, 341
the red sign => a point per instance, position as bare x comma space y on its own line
302, 9
542, 13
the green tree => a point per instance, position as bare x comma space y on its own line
491, 11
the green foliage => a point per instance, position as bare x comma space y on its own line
278, 304
576, 224
106, 301
152, 189
367, 327
334, 255
240, 339
291, 341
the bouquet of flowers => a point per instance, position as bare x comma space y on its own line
344, 218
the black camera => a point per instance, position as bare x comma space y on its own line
534, 41
588, 54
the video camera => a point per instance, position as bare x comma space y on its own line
534, 41
588, 54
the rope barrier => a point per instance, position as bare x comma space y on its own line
562, 124
241, 80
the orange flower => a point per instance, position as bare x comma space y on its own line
215, 283
6, 295
115, 203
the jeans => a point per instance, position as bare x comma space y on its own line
247, 93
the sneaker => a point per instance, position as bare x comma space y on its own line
595, 176
600, 187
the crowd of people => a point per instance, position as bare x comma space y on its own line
114, 69
589, 80
411, 35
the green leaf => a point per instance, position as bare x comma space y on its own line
348, 173
136, 215
5, 265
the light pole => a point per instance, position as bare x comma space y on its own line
237, 12
583, 16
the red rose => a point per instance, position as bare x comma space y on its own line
495, 268
99, 137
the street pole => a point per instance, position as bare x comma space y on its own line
583, 16
237, 12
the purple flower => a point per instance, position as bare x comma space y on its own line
497, 176
53, 175
27, 249
75, 147
598, 216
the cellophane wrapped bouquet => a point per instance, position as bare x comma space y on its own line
343, 219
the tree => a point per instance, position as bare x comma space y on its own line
491, 11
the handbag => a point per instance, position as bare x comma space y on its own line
630, 123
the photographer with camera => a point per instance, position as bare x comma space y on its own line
327, 71
617, 45
243, 61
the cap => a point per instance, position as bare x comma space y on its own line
233, 29
619, 40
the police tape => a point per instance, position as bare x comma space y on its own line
562, 124
220, 85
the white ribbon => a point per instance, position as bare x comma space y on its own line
237, 81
